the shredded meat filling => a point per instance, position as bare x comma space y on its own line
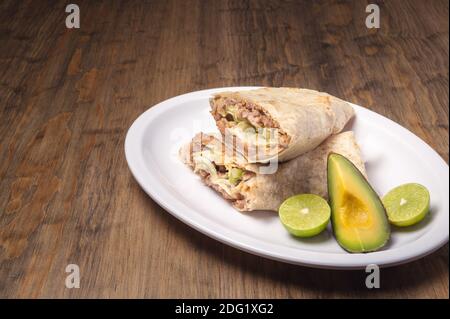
253, 113
245, 110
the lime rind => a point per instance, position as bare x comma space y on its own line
407, 204
305, 215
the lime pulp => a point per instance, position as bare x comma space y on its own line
407, 204
305, 215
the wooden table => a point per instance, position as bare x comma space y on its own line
68, 96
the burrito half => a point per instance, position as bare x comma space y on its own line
244, 184
278, 122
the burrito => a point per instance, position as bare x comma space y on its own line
248, 188
278, 123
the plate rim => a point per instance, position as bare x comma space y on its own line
311, 258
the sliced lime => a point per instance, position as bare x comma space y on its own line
304, 215
407, 204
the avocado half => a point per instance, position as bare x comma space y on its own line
358, 216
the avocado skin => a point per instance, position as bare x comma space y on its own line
366, 194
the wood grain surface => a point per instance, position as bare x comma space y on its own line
68, 96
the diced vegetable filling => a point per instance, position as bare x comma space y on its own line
226, 177
235, 175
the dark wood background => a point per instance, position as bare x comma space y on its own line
67, 98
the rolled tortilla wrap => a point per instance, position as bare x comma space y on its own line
248, 189
279, 122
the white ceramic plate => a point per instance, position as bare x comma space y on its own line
393, 156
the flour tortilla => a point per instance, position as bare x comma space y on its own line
304, 174
307, 117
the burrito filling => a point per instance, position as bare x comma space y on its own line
224, 178
249, 123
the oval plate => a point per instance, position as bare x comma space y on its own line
393, 156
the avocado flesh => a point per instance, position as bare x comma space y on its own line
358, 216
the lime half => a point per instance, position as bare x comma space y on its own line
407, 204
305, 215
